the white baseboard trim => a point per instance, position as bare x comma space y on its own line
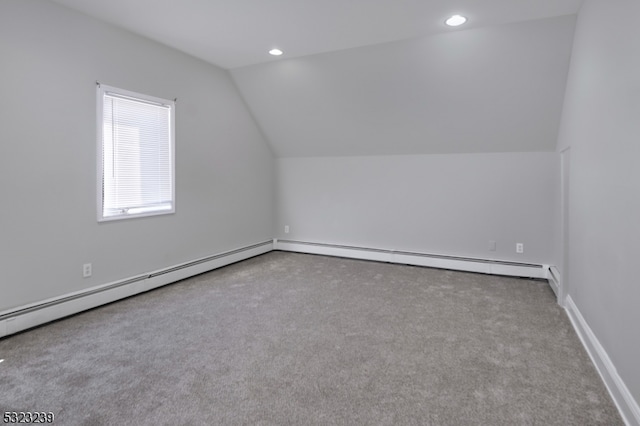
484, 266
45, 311
627, 405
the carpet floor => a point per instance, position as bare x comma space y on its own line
295, 339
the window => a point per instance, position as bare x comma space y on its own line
136, 146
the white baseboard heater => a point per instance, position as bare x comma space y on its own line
35, 314
554, 279
485, 266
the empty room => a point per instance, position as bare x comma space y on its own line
320, 212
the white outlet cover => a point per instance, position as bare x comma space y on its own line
86, 270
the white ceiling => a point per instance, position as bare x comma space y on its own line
236, 33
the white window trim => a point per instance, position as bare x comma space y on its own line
101, 89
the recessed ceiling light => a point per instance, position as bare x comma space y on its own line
455, 20
275, 52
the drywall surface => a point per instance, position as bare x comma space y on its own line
601, 124
51, 59
491, 89
450, 204
232, 34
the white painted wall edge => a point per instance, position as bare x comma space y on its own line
627, 405
483, 266
45, 311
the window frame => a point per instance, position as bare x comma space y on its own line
102, 89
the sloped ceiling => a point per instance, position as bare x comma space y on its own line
377, 77
491, 89
234, 33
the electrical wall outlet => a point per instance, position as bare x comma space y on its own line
492, 245
86, 270
519, 248
286, 229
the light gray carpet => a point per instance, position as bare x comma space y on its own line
294, 339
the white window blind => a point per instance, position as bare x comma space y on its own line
136, 154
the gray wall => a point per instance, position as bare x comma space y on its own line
51, 58
601, 125
444, 204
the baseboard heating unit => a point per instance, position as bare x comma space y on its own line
554, 279
485, 266
32, 315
